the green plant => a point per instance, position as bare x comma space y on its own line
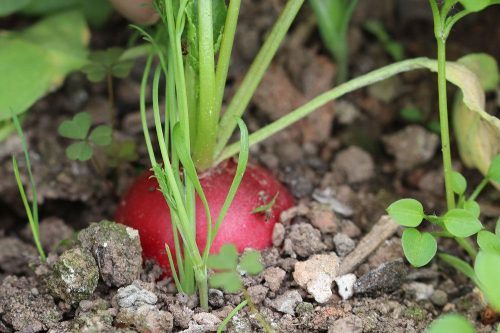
333, 18
31, 211
78, 129
393, 48
461, 220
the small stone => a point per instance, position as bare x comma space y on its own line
306, 240
317, 274
182, 314
323, 218
345, 285
215, 298
132, 297
387, 277
74, 276
287, 302
278, 234
439, 298
355, 164
257, 293
116, 248
349, 324
303, 308
349, 228
411, 146
343, 244
420, 291
207, 319
273, 276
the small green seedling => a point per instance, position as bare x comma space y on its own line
333, 18
393, 48
451, 323
78, 129
31, 211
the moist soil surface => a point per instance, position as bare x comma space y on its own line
344, 164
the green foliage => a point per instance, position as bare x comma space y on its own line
120, 152
459, 264
485, 67
266, 207
107, 62
458, 183
407, 212
419, 248
78, 129
333, 18
393, 48
494, 169
488, 241
31, 211
36, 60
487, 268
461, 223
451, 323
412, 114
8, 7
227, 271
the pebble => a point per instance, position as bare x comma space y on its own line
411, 146
305, 239
146, 318
355, 164
439, 298
323, 218
215, 298
420, 291
343, 244
317, 274
287, 302
278, 234
385, 278
257, 293
132, 297
273, 277
345, 285
117, 250
74, 276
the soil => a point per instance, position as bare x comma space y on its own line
344, 165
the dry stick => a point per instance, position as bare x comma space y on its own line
383, 229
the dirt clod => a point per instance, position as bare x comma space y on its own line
305, 239
24, 308
132, 297
343, 244
354, 164
349, 324
317, 274
74, 276
273, 277
117, 250
287, 302
15, 255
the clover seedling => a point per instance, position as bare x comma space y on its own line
78, 129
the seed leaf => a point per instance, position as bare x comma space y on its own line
494, 169
76, 128
461, 223
475, 5
81, 151
487, 267
229, 281
419, 248
266, 207
101, 135
458, 183
250, 263
488, 241
459, 265
407, 212
451, 323
227, 259
473, 207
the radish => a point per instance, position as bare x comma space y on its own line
143, 208
137, 11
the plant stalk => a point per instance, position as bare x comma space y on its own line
443, 121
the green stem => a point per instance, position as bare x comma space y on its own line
443, 121
255, 74
136, 52
202, 283
208, 115
479, 188
467, 246
231, 314
304, 110
225, 51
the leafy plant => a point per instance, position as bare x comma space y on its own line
31, 211
333, 18
78, 129
461, 220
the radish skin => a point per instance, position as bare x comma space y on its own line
144, 208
